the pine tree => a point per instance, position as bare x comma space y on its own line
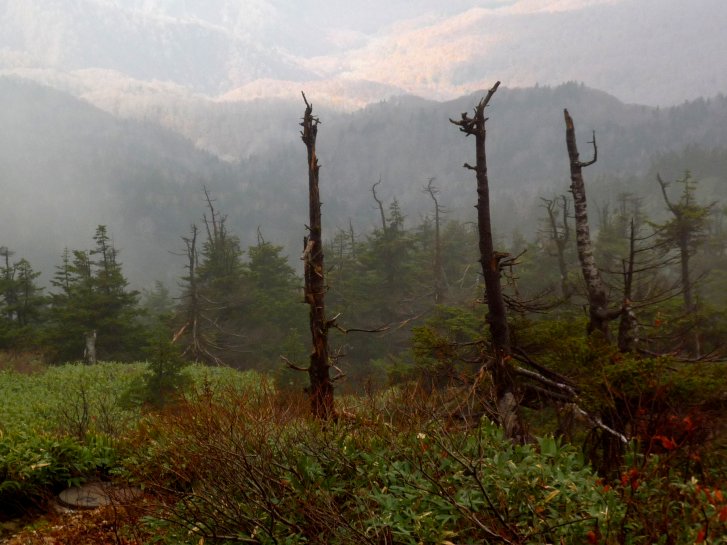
276, 317
92, 300
22, 304
685, 231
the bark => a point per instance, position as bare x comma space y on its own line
380, 205
440, 285
321, 386
560, 236
502, 372
194, 350
89, 353
628, 325
598, 313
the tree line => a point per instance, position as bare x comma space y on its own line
403, 302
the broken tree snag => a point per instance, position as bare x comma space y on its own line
380, 205
501, 369
560, 235
89, 353
321, 386
440, 284
628, 324
598, 313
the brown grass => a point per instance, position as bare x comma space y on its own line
26, 362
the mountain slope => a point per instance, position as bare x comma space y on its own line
643, 51
66, 166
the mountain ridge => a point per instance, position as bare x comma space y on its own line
223, 48
67, 166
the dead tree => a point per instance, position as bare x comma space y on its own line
560, 235
599, 315
353, 239
321, 385
628, 324
440, 284
506, 394
89, 352
194, 350
380, 205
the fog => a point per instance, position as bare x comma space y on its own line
118, 112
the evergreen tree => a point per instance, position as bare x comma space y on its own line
685, 231
157, 303
215, 297
22, 304
277, 316
92, 299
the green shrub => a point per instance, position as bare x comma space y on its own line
257, 468
32, 465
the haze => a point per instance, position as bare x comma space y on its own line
656, 52
116, 112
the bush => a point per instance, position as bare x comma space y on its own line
661, 505
32, 466
164, 379
257, 468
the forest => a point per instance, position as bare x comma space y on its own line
430, 380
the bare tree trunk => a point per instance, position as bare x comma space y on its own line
89, 353
628, 325
195, 349
599, 315
321, 386
561, 237
440, 286
353, 239
380, 205
8, 274
502, 374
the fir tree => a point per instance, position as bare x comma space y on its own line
92, 298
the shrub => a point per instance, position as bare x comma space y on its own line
32, 466
255, 467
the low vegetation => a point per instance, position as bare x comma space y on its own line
231, 459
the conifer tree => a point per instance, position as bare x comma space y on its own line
92, 300
21, 303
685, 231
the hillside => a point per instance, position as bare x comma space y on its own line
68, 166
373, 51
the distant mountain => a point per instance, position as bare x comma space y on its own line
66, 166
145, 44
643, 51
407, 140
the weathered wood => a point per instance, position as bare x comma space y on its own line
502, 374
628, 324
598, 312
321, 386
89, 352
560, 237
440, 284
